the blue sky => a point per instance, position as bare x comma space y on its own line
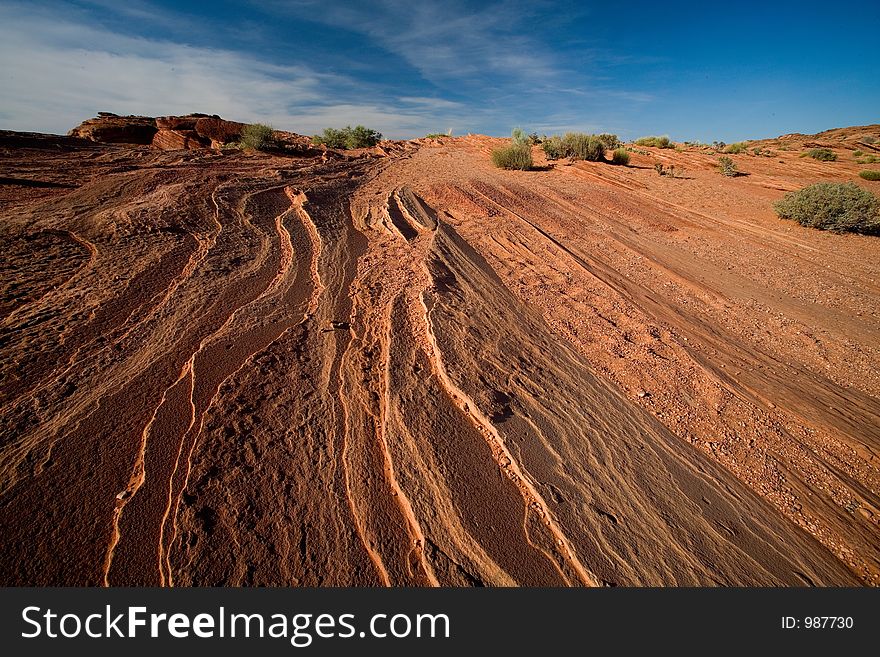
706, 71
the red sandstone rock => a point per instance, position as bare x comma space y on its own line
169, 140
217, 129
112, 129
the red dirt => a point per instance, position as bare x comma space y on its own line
405, 367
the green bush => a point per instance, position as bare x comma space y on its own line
519, 136
821, 154
832, 206
436, 135
868, 140
620, 156
656, 142
552, 147
869, 159
534, 139
738, 147
610, 142
515, 156
348, 137
727, 166
869, 174
256, 136
576, 145
858, 153
581, 146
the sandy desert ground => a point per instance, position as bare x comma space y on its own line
402, 366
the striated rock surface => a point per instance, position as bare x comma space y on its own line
412, 368
169, 140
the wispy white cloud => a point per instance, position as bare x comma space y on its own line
447, 41
481, 71
431, 102
57, 70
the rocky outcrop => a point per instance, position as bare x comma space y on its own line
218, 130
187, 132
165, 132
110, 128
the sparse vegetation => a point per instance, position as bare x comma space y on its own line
552, 147
256, 136
669, 171
581, 146
577, 146
821, 154
656, 142
737, 148
437, 135
869, 159
869, 174
348, 137
868, 140
519, 136
620, 156
534, 139
858, 153
515, 156
832, 206
610, 142
727, 167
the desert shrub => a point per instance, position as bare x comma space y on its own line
858, 153
832, 206
361, 137
656, 142
821, 154
869, 159
534, 139
576, 145
436, 135
869, 174
332, 138
348, 137
868, 140
519, 136
727, 166
610, 142
620, 156
515, 156
552, 147
256, 136
581, 146
738, 147
668, 172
